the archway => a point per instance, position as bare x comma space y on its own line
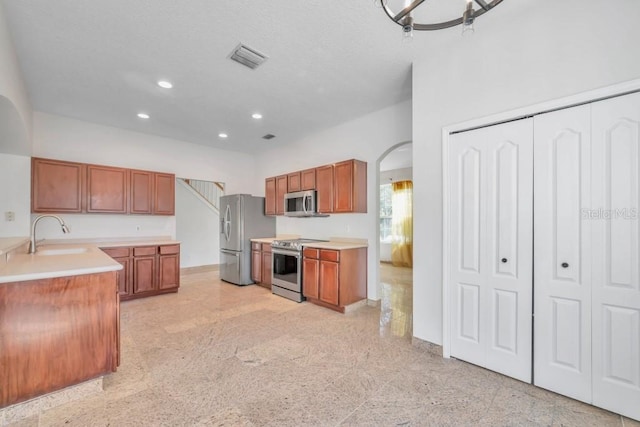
394, 176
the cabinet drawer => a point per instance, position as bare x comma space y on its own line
266, 247
117, 252
311, 253
169, 249
329, 255
145, 250
256, 246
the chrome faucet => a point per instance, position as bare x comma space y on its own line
32, 244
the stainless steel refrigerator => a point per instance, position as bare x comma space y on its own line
241, 218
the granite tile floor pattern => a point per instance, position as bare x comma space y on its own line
216, 354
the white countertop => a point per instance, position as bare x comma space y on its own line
7, 244
57, 261
278, 237
336, 245
264, 239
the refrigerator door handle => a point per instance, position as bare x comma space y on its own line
227, 223
234, 253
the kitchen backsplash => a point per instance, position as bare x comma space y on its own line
86, 226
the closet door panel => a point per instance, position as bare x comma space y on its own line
467, 166
616, 263
562, 261
509, 230
491, 223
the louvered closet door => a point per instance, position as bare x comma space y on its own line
562, 261
616, 254
491, 247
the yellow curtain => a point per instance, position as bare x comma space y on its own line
402, 224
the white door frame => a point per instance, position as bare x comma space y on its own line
566, 102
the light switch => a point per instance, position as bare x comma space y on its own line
9, 216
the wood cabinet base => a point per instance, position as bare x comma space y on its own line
335, 278
337, 308
147, 270
55, 333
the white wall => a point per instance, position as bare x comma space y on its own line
365, 138
15, 109
83, 226
522, 53
64, 138
15, 176
197, 228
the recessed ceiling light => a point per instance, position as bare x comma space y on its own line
222, 135
143, 115
256, 116
165, 84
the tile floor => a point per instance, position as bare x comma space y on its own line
216, 354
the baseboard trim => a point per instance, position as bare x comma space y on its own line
427, 346
200, 268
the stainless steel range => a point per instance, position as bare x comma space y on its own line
286, 272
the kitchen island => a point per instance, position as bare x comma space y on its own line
59, 320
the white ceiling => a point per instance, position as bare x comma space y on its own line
99, 60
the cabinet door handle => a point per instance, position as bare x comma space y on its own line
564, 265
504, 260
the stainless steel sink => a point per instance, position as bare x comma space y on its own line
62, 251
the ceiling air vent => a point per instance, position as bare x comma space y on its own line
247, 56
268, 136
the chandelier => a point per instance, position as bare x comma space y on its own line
404, 17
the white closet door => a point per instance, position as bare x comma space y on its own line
616, 260
491, 247
562, 262
467, 166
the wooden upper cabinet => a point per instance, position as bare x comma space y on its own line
324, 189
141, 192
270, 196
281, 190
350, 182
164, 194
293, 182
340, 188
57, 186
107, 189
308, 179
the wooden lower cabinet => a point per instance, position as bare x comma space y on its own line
329, 281
261, 264
266, 265
334, 278
144, 274
310, 277
147, 270
56, 332
256, 263
123, 277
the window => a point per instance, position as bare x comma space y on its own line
386, 193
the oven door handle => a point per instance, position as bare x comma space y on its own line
288, 253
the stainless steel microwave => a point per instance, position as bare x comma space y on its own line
300, 203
